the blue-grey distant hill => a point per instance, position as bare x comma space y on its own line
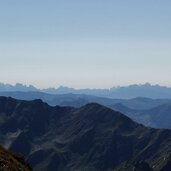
78, 100
150, 112
132, 91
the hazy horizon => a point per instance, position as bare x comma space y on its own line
85, 44
76, 88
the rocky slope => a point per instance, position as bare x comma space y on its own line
93, 137
12, 162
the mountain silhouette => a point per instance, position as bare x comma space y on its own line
122, 92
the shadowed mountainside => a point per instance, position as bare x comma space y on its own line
157, 117
93, 137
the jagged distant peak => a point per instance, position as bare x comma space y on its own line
131, 91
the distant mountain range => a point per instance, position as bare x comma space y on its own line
78, 100
142, 90
155, 113
92, 137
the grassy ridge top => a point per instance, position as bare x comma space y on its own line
12, 162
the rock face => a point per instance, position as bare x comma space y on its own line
90, 138
139, 166
12, 162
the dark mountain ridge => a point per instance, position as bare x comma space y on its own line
92, 137
139, 109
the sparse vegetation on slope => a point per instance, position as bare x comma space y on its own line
12, 162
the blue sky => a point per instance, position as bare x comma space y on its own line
82, 44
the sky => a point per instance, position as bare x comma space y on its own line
85, 44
